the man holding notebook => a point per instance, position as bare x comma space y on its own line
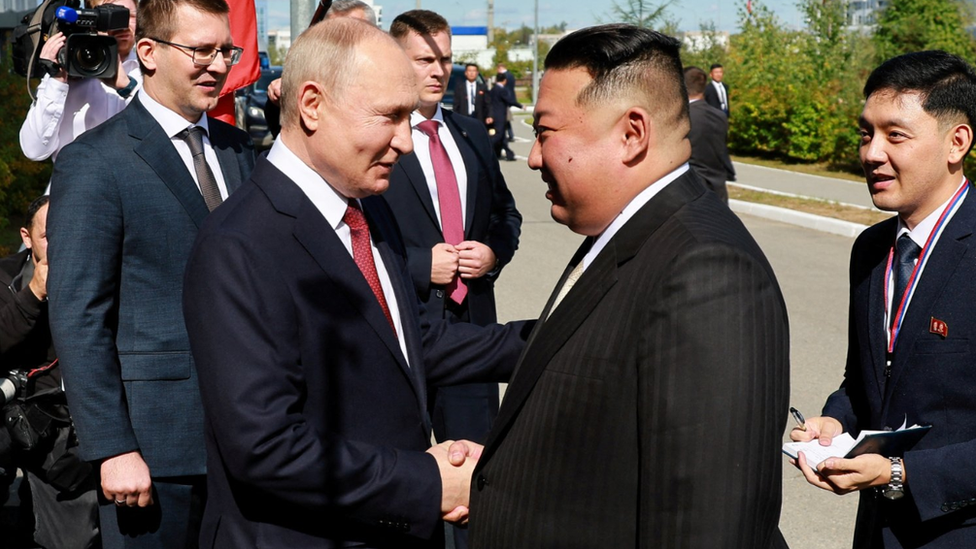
913, 286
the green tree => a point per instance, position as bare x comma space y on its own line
641, 13
21, 180
277, 55
915, 25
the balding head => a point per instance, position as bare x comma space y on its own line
347, 94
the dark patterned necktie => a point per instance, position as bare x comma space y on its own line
193, 136
906, 253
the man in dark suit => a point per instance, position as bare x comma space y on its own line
510, 85
717, 92
127, 200
502, 100
471, 97
313, 350
648, 407
459, 235
913, 283
708, 135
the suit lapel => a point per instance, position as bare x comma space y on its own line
877, 333
939, 271
226, 157
415, 174
551, 334
320, 240
463, 143
157, 150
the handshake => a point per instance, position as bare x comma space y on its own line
456, 461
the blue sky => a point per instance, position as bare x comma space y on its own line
576, 13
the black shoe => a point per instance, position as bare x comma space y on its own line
511, 159
511, 140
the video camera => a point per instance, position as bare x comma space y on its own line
86, 54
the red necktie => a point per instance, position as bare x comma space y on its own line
449, 199
362, 253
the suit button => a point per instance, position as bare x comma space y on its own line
482, 482
439, 294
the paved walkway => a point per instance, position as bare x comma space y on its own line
801, 184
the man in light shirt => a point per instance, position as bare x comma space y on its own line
67, 107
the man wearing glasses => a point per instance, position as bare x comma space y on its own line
128, 198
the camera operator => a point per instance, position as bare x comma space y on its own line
62, 486
66, 107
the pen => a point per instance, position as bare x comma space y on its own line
801, 423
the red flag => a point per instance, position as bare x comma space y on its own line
749, 6
244, 29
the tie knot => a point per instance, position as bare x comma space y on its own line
429, 127
354, 217
908, 250
194, 138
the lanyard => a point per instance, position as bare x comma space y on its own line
923, 257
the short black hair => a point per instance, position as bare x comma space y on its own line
619, 56
475, 65
946, 83
715, 66
36, 205
500, 77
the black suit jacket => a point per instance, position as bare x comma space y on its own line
491, 218
712, 98
709, 151
648, 410
932, 380
124, 213
316, 423
501, 100
482, 101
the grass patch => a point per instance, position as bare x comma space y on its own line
821, 169
815, 207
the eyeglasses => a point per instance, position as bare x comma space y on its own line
203, 56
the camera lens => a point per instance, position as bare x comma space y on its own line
91, 58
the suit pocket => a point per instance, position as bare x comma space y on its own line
155, 366
942, 346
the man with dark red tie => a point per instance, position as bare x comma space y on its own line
456, 214
314, 353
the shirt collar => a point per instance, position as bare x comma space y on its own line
169, 119
920, 234
326, 199
416, 118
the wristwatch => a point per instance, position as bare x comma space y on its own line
895, 489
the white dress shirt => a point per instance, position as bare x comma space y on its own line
472, 93
173, 124
919, 235
65, 110
421, 147
722, 97
332, 206
628, 212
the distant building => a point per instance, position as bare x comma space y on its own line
279, 38
863, 14
17, 5
695, 41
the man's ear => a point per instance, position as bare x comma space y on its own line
311, 98
146, 50
960, 139
636, 130
25, 237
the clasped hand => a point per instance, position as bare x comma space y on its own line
838, 475
469, 259
456, 461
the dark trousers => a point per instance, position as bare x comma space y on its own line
462, 412
65, 519
171, 522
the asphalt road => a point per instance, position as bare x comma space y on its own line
812, 270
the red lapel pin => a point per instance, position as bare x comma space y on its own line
938, 327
